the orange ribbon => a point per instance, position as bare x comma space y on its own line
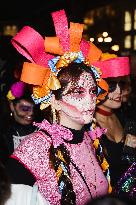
41, 77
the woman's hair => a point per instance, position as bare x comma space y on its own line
60, 161
71, 73
112, 82
68, 74
5, 189
26, 96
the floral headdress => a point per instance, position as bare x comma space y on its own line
67, 46
113, 66
47, 58
16, 91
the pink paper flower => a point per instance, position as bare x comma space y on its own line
97, 133
17, 89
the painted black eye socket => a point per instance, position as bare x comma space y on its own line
25, 108
94, 91
113, 85
76, 91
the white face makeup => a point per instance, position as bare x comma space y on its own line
23, 112
79, 100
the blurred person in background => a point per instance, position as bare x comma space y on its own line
18, 110
126, 185
9, 72
115, 72
107, 200
128, 108
22, 112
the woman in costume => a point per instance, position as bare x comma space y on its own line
114, 71
19, 123
60, 157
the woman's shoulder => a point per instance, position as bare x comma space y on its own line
33, 141
34, 150
40, 136
23, 195
37, 142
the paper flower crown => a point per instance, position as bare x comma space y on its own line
113, 66
16, 91
50, 55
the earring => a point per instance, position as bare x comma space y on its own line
54, 114
93, 125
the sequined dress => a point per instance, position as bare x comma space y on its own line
33, 153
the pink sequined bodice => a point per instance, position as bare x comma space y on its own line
33, 152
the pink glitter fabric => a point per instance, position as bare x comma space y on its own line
61, 28
17, 89
57, 132
33, 152
30, 44
84, 47
114, 67
97, 133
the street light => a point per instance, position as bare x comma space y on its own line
92, 39
108, 39
100, 39
105, 34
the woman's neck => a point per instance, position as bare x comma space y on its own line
103, 111
70, 124
110, 121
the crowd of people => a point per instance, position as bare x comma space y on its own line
68, 136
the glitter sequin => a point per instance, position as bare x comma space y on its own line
34, 153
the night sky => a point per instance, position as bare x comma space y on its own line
23, 9
37, 13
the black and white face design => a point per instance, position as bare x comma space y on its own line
79, 100
23, 112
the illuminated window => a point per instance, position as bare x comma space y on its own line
10, 30
135, 42
127, 42
135, 19
128, 22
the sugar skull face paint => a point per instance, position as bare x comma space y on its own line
23, 112
79, 99
114, 99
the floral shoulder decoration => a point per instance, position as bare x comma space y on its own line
16, 91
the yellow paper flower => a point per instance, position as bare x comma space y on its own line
96, 143
67, 58
10, 96
59, 172
59, 154
106, 56
109, 188
44, 105
104, 165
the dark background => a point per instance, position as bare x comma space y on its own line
22, 9
36, 13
